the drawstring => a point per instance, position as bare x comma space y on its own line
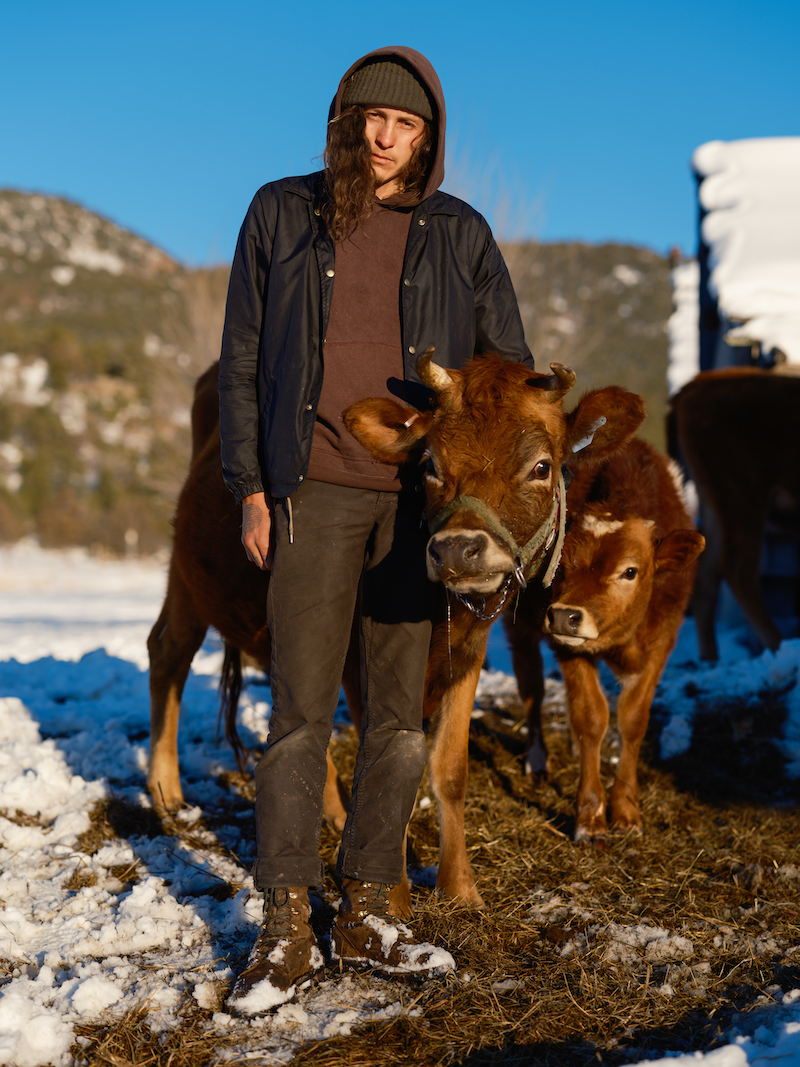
291, 519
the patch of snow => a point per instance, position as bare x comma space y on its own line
683, 327
84, 252
62, 274
627, 275
87, 947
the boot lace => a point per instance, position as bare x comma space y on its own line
279, 915
374, 899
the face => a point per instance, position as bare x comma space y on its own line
393, 135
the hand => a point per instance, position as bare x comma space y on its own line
257, 529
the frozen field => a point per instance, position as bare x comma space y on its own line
80, 944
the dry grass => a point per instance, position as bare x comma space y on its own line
538, 982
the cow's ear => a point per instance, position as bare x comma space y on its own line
604, 421
678, 549
385, 428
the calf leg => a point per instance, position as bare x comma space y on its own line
588, 713
172, 643
526, 657
633, 714
448, 763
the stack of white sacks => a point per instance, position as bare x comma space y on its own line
750, 190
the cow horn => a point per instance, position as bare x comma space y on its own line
556, 384
431, 374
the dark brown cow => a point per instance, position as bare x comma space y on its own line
620, 594
498, 434
492, 452
737, 432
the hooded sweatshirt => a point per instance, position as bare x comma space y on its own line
454, 293
363, 354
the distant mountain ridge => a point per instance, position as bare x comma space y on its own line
102, 336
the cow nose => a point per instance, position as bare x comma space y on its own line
564, 620
457, 553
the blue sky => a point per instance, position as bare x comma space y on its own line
567, 120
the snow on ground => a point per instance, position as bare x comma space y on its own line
750, 190
80, 944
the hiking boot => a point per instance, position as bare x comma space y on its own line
365, 934
284, 958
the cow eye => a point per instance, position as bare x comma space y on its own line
540, 471
629, 573
429, 467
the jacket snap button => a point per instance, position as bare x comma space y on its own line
406, 282
330, 273
309, 407
412, 350
422, 222
317, 211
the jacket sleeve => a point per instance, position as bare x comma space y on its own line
498, 325
244, 316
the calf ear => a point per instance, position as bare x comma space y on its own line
678, 549
385, 428
604, 421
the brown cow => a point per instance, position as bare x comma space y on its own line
499, 433
736, 431
492, 452
211, 583
620, 594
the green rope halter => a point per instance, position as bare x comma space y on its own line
524, 557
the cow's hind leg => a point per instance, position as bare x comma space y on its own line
172, 643
706, 587
741, 560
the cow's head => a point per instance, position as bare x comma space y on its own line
605, 583
498, 435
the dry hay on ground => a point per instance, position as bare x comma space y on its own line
583, 955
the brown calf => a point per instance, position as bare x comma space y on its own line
736, 431
620, 594
491, 453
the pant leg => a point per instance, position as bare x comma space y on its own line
395, 629
310, 606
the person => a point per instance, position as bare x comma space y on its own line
339, 279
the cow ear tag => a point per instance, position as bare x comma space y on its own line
587, 440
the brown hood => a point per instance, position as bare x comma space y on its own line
429, 76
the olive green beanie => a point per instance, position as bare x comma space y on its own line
390, 83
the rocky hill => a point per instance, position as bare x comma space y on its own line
102, 336
602, 310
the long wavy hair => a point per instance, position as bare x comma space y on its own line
349, 179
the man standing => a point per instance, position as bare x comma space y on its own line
354, 269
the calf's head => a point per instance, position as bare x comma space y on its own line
605, 583
491, 452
